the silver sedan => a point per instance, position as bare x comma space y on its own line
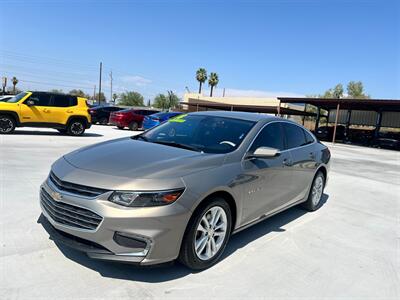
181, 189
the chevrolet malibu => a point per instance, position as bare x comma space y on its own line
181, 189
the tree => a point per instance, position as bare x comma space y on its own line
115, 97
166, 101
201, 77
337, 92
56, 91
78, 93
213, 81
131, 99
14, 81
160, 101
102, 97
356, 90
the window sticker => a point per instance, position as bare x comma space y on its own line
178, 119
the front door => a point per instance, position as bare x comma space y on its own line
37, 113
269, 179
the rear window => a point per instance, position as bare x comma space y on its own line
294, 135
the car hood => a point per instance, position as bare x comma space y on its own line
134, 159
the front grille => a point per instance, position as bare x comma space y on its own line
74, 188
70, 215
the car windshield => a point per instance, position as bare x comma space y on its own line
207, 134
17, 97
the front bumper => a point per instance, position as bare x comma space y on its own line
160, 228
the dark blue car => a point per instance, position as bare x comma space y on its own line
155, 119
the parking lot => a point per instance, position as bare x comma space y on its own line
348, 249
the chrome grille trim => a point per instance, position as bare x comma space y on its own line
74, 188
69, 215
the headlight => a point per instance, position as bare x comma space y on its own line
145, 199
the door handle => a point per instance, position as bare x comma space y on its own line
70, 111
46, 110
312, 155
287, 162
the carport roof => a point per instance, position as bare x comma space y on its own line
246, 108
351, 104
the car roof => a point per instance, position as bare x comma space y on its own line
248, 116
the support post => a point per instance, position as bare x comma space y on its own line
347, 129
377, 125
317, 119
336, 121
279, 108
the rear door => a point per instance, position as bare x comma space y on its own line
268, 180
38, 113
300, 145
62, 107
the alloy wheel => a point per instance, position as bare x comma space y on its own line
6, 125
317, 190
210, 233
77, 128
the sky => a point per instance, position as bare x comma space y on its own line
258, 48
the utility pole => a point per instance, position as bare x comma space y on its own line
111, 94
94, 93
101, 67
223, 93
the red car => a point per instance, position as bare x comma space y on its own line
131, 118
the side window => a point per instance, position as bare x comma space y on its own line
41, 99
73, 101
271, 136
309, 138
61, 100
294, 136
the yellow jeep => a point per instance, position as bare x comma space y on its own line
66, 113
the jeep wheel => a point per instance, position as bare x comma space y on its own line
7, 124
76, 127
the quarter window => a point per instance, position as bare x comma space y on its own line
271, 136
63, 100
309, 138
294, 136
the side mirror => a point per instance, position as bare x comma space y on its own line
30, 102
265, 152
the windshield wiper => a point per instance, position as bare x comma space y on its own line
174, 144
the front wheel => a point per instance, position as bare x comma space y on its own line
76, 127
133, 126
7, 124
207, 234
103, 121
317, 189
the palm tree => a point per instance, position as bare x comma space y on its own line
14, 81
213, 81
201, 77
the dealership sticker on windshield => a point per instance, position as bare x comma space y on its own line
178, 119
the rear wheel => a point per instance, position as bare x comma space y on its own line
120, 127
317, 189
207, 234
133, 126
7, 124
103, 121
76, 127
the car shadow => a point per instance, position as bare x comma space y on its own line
173, 270
53, 133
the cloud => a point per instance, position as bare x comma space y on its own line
255, 93
135, 80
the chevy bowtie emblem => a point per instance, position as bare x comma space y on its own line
56, 196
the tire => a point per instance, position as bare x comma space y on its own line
76, 127
120, 127
7, 124
316, 191
201, 259
103, 121
133, 126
